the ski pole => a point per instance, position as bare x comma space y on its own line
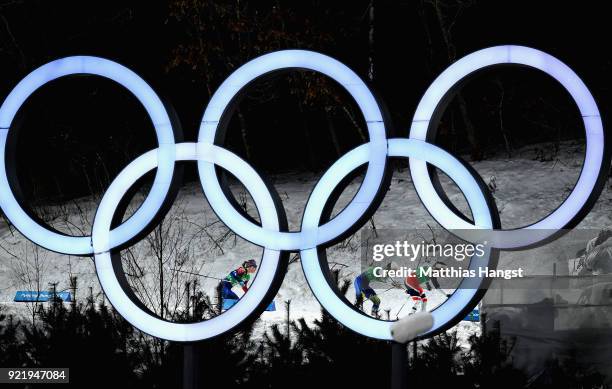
442, 292
393, 287
195, 274
400, 310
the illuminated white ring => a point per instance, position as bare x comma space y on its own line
112, 288
376, 149
413, 149
562, 216
142, 91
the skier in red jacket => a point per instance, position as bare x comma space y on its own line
414, 286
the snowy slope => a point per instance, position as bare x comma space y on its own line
527, 190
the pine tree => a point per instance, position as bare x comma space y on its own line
327, 354
83, 339
11, 354
489, 362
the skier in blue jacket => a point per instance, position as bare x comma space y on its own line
239, 276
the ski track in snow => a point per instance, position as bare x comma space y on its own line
526, 191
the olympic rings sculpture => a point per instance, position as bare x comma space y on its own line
318, 231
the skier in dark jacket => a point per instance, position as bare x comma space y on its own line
363, 291
240, 276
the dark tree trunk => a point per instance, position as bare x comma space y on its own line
243, 133
332, 132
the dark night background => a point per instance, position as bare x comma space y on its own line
78, 132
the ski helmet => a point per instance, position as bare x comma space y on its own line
250, 263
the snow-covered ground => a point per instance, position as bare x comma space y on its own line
526, 190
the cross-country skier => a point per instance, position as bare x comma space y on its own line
240, 276
414, 283
363, 291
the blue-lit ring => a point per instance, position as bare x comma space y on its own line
269, 271
452, 308
593, 174
376, 148
163, 129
